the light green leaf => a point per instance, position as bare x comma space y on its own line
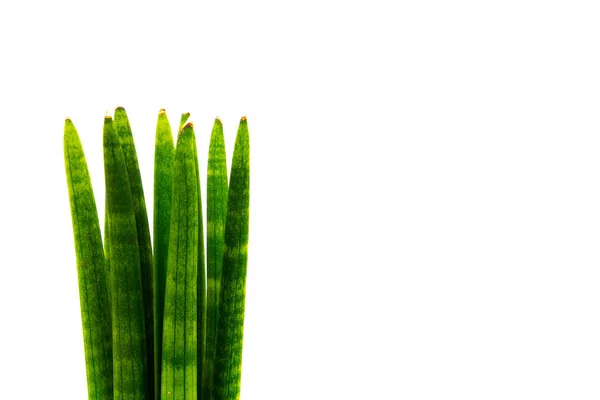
180, 352
93, 294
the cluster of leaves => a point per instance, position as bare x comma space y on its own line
161, 320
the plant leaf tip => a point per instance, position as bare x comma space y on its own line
68, 124
189, 125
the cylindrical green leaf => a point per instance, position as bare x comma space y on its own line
179, 355
216, 205
233, 278
93, 294
123, 130
164, 152
201, 296
106, 249
129, 352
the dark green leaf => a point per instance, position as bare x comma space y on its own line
233, 279
123, 130
163, 192
216, 205
129, 352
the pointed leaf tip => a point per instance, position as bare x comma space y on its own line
184, 118
69, 127
186, 128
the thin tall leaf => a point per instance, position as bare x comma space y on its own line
216, 205
179, 355
233, 279
123, 130
201, 288
129, 352
164, 154
93, 294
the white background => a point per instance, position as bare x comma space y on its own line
425, 208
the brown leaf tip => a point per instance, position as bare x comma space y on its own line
244, 118
162, 111
189, 124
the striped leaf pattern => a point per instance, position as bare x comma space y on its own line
123, 129
129, 353
89, 253
233, 279
160, 322
201, 288
163, 191
179, 355
216, 205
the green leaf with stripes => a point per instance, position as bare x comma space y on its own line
201, 326
123, 129
179, 354
163, 192
233, 279
93, 294
216, 205
129, 352
106, 250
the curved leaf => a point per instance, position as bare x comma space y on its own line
93, 294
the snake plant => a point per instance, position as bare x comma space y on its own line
161, 319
